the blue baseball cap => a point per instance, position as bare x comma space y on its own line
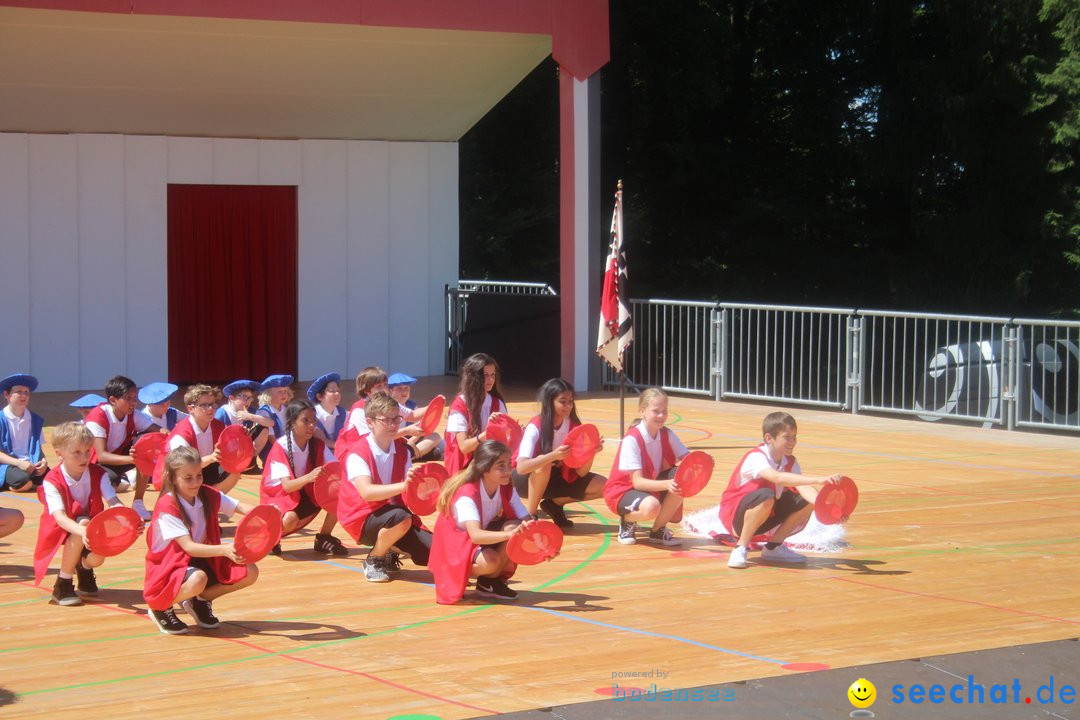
400, 379
157, 392
320, 384
276, 381
19, 379
90, 400
237, 385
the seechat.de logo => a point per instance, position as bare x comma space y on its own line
862, 695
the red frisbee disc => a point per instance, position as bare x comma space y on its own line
433, 414
258, 533
236, 449
506, 430
113, 531
584, 442
422, 493
535, 544
694, 473
326, 486
146, 451
836, 501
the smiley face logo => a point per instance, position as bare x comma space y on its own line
862, 693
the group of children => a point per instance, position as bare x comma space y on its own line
492, 492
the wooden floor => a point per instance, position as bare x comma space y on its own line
963, 539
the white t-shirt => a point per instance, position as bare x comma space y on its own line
279, 471
116, 433
384, 463
79, 489
465, 509
326, 420
456, 421
755, 462
163, 421
20, 433
169, 527
530, 439
630, 455
204, 440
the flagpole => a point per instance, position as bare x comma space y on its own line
622, 371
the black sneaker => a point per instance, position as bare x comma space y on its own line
202, 611
87, 581
276, 550
168, 623
63, 592
494, 588
557, 513
329, 545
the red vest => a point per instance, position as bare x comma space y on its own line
455, 459
165, 570
569, 474
620, 482
734, 492
452, 549
101, 418
353, 510
275, 494
50, 535
186, 430
350, 435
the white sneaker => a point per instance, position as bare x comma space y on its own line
782, 554
140, 508
737, 559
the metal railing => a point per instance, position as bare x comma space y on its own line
457, 308
995, 371
504, 287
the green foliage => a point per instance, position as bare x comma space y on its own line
896, 153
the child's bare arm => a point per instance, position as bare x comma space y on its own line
796, 480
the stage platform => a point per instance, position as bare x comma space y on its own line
964, 541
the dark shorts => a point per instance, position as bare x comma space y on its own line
116, 473
213, 474
198, 563
307, 507
15, 478
416, 541
786, 504
631, 500
557, 487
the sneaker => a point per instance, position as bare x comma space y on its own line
737, 559
87, 580
375, 570
63, 592
168, 623
626, 532
782, 554
494, 588
392, 563
276, 550
663, 536
329, 545
557, 513
202, 611
140, 508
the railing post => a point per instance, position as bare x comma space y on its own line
853, 392
1009, 395
718, 351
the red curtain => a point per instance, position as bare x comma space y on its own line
232, 282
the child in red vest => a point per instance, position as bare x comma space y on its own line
478, 402
187, 563
114, 425
479, 510
540, 476
73, 492
289, 474
642, 485
370, 506
199, 429
768, 494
